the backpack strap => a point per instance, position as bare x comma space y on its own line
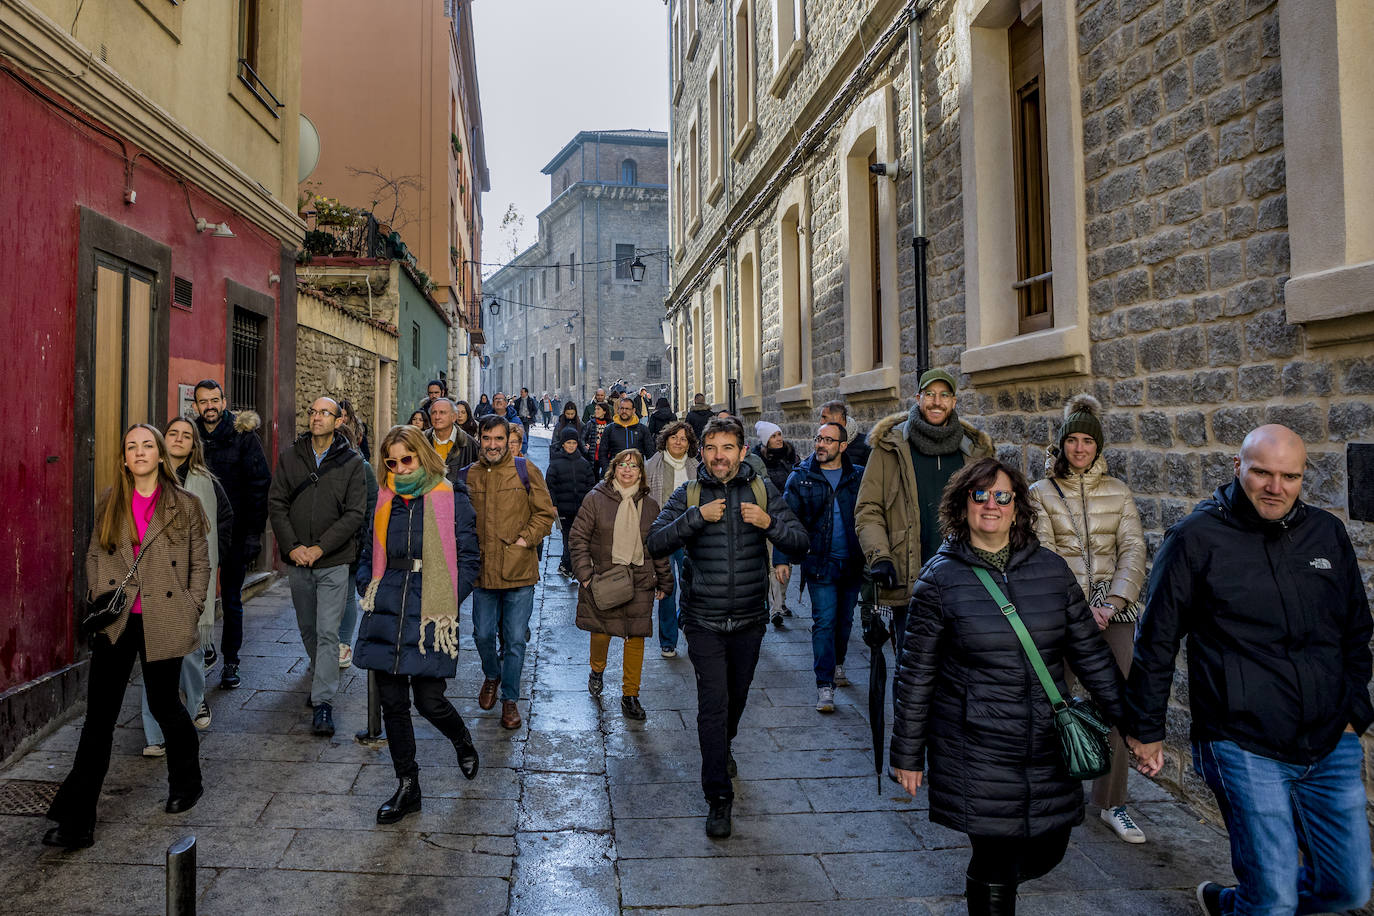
325, 467
523, 472
760, 492
463, 474
693, 494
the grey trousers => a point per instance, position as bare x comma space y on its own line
319, 596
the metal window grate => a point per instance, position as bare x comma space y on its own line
181, 292
27, 797
617, 356
243, 382
653, 368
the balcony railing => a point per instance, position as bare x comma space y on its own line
249, 77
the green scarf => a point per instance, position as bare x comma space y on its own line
417, 483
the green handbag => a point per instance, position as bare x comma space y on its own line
1082, 734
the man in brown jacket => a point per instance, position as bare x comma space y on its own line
514, 513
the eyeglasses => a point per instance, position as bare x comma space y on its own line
932, 395
405, 461
320, 413
826, 440
627, 464
1002, 497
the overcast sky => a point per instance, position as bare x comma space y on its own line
548, 69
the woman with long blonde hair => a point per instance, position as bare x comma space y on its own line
418, 565
147, 518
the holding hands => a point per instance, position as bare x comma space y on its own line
1149, 758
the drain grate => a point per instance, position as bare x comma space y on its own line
27, 797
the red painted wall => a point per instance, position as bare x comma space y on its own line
51, 164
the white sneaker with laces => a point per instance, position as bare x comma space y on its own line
345, 655
668, 653
1119, 819
840, 679
202, 719
825, 699
155, 750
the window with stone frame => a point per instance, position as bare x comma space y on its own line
679, 42
557, 276
694, 161
789, 42
750, 318
679, 206
696, 332
691, 33
1034, 288
720, 332
715, 127
743, 100
624, 257
653, 368
794, 293
572, 268
629, 172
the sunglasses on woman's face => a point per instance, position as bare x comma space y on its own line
1002, 497
405, 461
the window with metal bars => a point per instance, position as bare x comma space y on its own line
243, 375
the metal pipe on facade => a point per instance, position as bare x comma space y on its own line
920, 244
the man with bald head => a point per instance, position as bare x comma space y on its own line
1268, 594
316, 503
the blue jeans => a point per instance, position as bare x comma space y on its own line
667, 607
192, 684
1299, 836
508, 609
832, 620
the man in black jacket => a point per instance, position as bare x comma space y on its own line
234, 453
698, 414
1267, 591
317, 503
456, 447
724, 528
838, 412
626, 431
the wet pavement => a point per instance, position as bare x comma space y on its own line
579, 811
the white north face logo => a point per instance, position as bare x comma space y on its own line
1321, 563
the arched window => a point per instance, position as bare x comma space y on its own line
629, 172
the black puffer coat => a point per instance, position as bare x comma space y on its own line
725, 575
970, 710
659, 419
570, 478
389, 636
234, 453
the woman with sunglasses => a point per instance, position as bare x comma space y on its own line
148, 518
416, 570
1090, 519
609, 533
970, 714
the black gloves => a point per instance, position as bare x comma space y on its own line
252, 546
884, 574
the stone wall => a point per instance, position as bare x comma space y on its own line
328, 366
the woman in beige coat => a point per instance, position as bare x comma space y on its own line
146, 517
1090, 519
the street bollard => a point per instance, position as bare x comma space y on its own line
372, 735
181, 877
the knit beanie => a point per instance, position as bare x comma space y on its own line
568, 433
1082, 415
937, 375
764, 430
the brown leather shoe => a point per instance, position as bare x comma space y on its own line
510, 714
486, 697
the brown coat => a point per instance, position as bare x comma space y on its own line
506, 513
172, 577
589, 541
1115, 541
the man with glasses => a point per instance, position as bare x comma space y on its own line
822, 492
914, 454
234, 453
317, 503
456, 447
627, 431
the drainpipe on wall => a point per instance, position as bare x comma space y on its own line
920, 244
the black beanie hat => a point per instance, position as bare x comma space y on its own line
1082, 415
569, 432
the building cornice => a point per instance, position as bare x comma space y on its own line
614, 137
53, 59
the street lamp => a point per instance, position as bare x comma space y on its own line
495, 307
667, 324
637, 269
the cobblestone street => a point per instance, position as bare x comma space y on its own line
580, 811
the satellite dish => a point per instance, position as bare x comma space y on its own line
309, 155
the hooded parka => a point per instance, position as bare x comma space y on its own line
970, 710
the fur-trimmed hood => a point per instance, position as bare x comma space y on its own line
890, 433
246, 421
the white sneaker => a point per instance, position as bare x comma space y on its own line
155, 750
840, 679
345, 655
1119, 819
202, 719
825, 699
668, 653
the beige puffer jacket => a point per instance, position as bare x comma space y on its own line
1115, 539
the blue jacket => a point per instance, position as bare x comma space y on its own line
389, 636
808, 493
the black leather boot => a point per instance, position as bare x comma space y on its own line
467, 754
989, 899
405, 801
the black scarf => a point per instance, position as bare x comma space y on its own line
933, 440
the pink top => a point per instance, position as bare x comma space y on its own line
143, 507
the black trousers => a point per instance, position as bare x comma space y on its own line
74, 807
566, 522
724, 664
1012, 860
432, 704
233, 569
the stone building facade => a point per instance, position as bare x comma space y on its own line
568, 315
1188, 151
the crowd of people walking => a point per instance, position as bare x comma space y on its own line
1015, 609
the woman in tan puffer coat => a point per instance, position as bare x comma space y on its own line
1090, 519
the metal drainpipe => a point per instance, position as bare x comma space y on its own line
727, 101
920, 244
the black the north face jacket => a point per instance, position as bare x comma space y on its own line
725, 576
1278, 629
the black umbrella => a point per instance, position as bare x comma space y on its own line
876, 624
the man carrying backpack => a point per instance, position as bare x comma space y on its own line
723, 521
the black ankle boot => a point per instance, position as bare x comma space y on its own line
406, 800
467, 754
990, 899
